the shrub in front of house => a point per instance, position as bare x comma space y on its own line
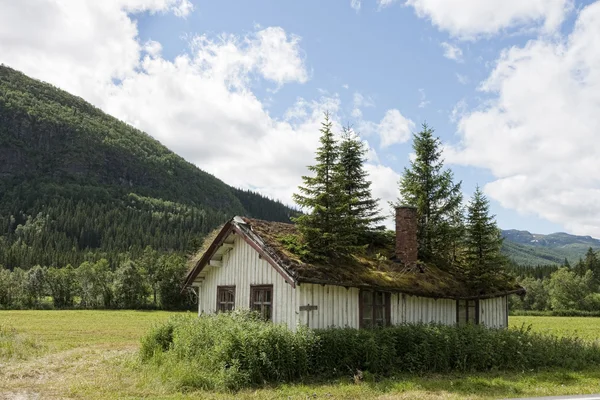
236, 350
228, 351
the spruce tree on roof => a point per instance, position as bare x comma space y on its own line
362, 213
428, 187
483, 241
322, 196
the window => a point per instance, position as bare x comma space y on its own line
225, 298
467, 311
261, 300
374, 308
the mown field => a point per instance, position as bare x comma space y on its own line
92, 355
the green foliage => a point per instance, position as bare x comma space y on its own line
75, 181
95, 285
362, 213
568, 290
482, 242
130, 288
228, 351
525, 248
296, 245
342, 213
428, 187
62, 285
323, 228
232, 351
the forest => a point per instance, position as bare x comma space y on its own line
78, 186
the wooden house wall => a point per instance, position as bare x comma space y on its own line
242, 267
493, 312
336, 306
414, 309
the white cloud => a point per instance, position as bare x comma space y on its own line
200, 104
469, 19
452, 52
384, 187
539, 133
394, 128
355, 4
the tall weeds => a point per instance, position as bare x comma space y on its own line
232, 351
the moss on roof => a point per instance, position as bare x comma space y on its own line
376, 268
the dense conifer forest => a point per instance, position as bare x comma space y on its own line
79, 185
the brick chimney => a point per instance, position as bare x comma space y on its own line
406, 235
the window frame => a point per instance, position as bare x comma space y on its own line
387, 313
468, 306
221, 289
253, 290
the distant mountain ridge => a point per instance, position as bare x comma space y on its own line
526, 248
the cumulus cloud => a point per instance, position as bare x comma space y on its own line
538, 135
452, 52
355, 4
394, 128
469, 19
200, 104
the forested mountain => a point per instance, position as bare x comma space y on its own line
77, 184
527, 248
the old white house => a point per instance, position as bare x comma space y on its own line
247, 266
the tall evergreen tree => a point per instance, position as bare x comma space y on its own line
362, 213
322, 195
428, 187
483, 241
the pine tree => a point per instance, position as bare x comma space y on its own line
428, 187
483, 241
322, 195
362, 213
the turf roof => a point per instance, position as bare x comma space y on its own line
364, 271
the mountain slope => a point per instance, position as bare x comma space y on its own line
74, 180
527, 248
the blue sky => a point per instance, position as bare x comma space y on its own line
237, 87
389, 55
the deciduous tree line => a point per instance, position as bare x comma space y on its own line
153, 280
564, 288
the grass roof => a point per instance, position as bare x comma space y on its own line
375, 268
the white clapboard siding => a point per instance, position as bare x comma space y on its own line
242, 267
336, 306
492, 312
413, 309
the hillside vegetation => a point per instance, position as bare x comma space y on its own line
525, 248
77, 184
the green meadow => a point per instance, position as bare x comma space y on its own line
94, 355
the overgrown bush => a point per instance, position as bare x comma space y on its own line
231, 351
228, 351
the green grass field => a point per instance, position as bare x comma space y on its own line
92, 355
